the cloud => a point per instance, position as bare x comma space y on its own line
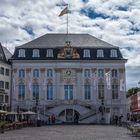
115, 21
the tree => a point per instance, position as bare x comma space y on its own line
132, 91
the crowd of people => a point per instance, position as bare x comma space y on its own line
117, 120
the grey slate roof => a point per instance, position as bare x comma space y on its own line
5, 53
58, 40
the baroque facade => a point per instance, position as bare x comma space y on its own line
5, 78
70, 74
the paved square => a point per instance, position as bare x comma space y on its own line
69, 132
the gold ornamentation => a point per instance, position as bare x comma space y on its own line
68, 52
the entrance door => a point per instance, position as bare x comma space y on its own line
69, 115
68, 89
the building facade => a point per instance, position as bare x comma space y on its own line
70, 74
134, 106
5, 78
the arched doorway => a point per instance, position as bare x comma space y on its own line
68, 115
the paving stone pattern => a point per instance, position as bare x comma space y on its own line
69, 132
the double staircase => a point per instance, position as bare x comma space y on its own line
87, 110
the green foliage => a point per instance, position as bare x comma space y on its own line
132, 91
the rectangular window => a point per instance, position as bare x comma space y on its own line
87, 73
114, 91
50, 92
21, 91
35, 73
86, 53
100, 91
6, 85
7, 72
2, 70
68, 90
114, 73
2, 84
100, 73
6, 98
1, 99
87, 92
21, 73
49, 73
35, 91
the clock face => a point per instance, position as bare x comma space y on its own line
68, 72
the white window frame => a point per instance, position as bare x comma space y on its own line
113, 53
86, 53
100, 53
49, 53
35, 53
21, 53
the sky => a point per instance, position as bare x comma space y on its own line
114, 21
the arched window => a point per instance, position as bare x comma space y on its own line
21, 92
113, 53
49, 92
35, 92
35, 73
86, 53
100, 91
87, 89
21, 73
49, 53
115, 92
35, 53
100, 53
21, 53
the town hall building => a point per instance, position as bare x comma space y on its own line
68, 74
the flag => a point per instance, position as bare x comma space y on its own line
122, 82
13, 84
122, 85
108, 79
64, 11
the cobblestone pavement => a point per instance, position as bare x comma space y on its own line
69, 132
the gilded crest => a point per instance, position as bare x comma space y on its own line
68, 52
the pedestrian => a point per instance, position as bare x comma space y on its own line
120, 120
49, 119
53, 119
116, 120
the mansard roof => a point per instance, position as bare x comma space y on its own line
58, 40
5, 55
61, 50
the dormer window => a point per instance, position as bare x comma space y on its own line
35, 53
21, 53
113, 53
100, 53
86, 53
49, 53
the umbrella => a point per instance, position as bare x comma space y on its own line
3, 112
11, 113
29, 113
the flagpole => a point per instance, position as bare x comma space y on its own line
67, 21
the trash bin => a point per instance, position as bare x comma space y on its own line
38, 123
